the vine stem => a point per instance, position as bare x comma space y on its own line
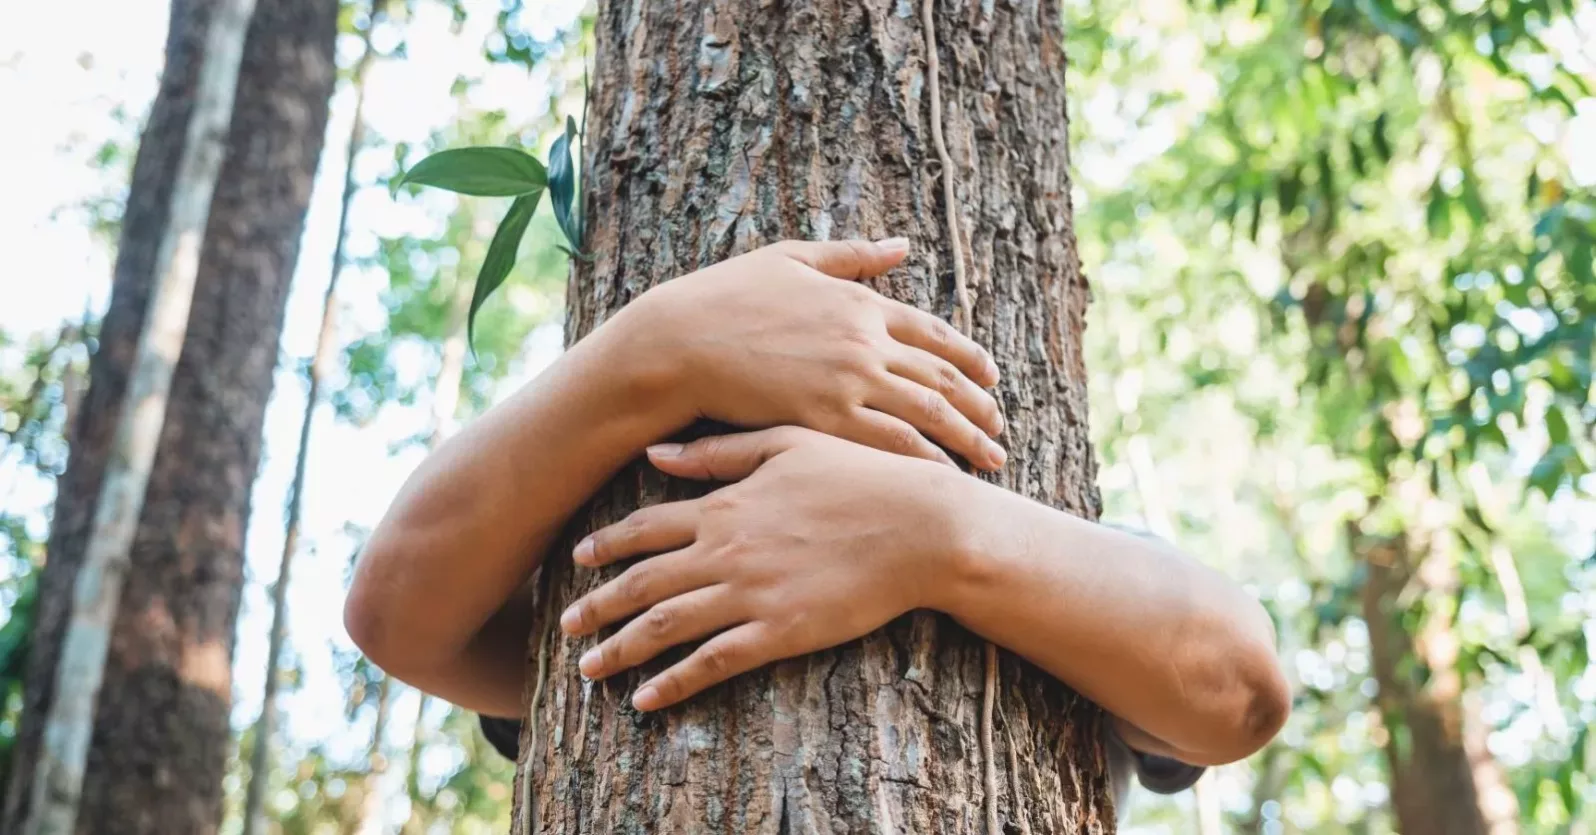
966, 324
524, 822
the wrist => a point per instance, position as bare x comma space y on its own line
971, 542
635, 353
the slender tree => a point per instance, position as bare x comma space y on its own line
158, 749
69, 725
716, 127
326, 345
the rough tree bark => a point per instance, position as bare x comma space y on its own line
720, 125
160, 743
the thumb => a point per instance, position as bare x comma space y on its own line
852, 259
723, 457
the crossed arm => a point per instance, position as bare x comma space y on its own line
838, 520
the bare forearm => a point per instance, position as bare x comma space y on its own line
474, 521
1171, 648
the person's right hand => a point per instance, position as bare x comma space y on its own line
784, 335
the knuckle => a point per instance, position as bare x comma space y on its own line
660, 621
711, 448
633, 585
859, 338
610, 654
947, 379
721, 501
903, 440
935, 408
789, 248
717, 660
941, 332
858, 293
633, 526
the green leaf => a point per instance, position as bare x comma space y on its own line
1286, 192
1556, 424
500, 259
562, 186
1382, 143
481, 172
1438, 213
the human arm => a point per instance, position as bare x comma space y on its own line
780, 335
821, 541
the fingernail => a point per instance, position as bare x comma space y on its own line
665, 450
584, 551
894, 244
646, 698
589, 663
996, 454
570, 620
1001, 425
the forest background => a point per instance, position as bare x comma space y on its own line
1337, 247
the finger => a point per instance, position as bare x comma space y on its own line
637, 588
730, 653
675, 621
724, 457
847, 259
913, 326
885, 432
941, 376
648, 530
928, 411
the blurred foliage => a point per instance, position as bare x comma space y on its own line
1343, 239
41, 379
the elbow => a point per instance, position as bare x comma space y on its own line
371, 622
1242, 695
365, 622
1267, 706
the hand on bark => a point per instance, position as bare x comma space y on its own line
785, 335
819, 542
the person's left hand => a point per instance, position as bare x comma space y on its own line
821, 541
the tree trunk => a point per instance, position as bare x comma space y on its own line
326, 344
370, 820
160, 743
1443, 781
62, 758
718, 126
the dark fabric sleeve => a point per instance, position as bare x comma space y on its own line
503, 734
1162, 775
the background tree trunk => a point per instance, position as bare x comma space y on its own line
160, 746
326, 345
720, 126
1443, 781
